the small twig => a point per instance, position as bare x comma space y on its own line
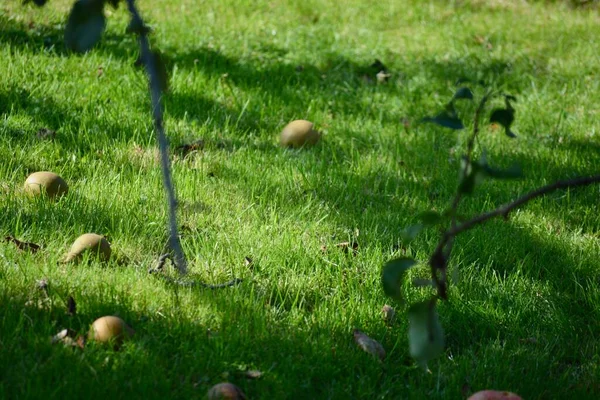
438, 259
157, 111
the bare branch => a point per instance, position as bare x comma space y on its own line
507, 208
152, 69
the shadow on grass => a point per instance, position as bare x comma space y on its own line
173, 356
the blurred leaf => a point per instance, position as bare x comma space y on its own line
471, 176
114, 3
463, 93
446, 119
425, 333
410, 232
512, 172
369, 345
85, 25
504, 117
430, 217
393, 272
419, 282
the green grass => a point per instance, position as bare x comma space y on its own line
525, 315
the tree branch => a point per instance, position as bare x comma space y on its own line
439, 260
439, 255
152, 68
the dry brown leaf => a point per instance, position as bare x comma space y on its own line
369, 345
383, 76
348, 246
253, 374
24, 246
187, 148
45, 134
66, 337
42, 284
388, 313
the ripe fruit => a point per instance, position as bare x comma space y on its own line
226, 391
90, 242
299, 133
110, 329
46, 183
494, 395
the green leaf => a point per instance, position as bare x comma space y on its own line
446, 119
512, 172
85, 25
425, 333
393, 272
410, 232
430, 218
463, 93
471, 176
504, 117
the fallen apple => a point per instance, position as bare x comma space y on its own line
89, 242
110, 329
494, 395
226, 391
299, 133
46, 183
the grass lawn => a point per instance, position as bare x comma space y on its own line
525, 314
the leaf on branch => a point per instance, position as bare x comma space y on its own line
425, 333
471, 176
85, 25
463, 93
447, 118
392, 274
430, 218
504, 117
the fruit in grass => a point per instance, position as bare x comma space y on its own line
299, 133
46, 183
110, 329
95, 244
